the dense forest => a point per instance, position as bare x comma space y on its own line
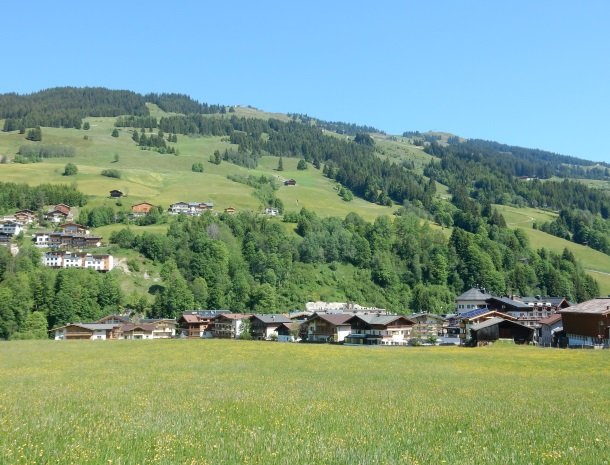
494, 178
66, 107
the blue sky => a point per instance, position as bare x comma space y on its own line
530, 73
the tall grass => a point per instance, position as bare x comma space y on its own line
234, 402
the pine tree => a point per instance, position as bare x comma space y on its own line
280, 164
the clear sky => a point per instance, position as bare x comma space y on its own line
534, 73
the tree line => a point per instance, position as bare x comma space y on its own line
20, 196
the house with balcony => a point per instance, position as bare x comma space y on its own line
229, 325
327, 327
387, 329
263, 325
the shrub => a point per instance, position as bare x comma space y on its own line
111, 173
70, 169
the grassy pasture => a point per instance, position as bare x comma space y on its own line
163, 179
232, 402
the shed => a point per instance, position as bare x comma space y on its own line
499, 328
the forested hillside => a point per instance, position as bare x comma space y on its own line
428, 235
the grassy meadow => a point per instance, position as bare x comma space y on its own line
238, 402
162, 179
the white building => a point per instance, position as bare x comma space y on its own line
11, 228
78, 260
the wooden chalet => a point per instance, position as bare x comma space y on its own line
62, 207
427, 324
92, 331
25, 216
198, 324
74, 228
137, 331
327, 327
163, 328
290, 182
66, 240
289, 332
387, 329
588, 323
230, 210
263, 325
229, 325
115, 193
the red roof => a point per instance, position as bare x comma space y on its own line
551, 319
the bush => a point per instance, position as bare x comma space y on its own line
197, 167
70, 169
302, 165
115, 132
112, 173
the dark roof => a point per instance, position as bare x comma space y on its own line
380, 319
510, 302
473, 294
593, 307
332, 318
417, 316
271, 318
552, 300
473, 313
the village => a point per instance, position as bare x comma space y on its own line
479, 318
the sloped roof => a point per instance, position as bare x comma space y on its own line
131, 326
380, 319
474, 294
473, 313
271, 318
552, 300
188, 318
332, 318
593, 306
551, 319
487, 323
234, 316
90, 326
495, 321
511, 302
417, 316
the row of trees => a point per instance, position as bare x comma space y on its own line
18, 196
